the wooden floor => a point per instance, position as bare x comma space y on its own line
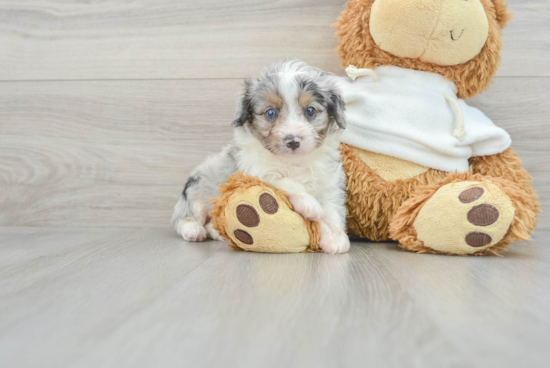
143, 298
106, 106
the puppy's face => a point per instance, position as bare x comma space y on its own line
291, 108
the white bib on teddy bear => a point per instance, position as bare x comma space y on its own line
416, 116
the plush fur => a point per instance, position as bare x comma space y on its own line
371, 201
381, 210
357, 47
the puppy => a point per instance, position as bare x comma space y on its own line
287, 129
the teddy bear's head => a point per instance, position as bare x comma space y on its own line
459, 39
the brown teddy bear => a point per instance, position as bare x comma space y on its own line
422, 166
436, 188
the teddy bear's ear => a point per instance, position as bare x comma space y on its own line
502, 13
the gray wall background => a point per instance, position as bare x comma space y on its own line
105, 106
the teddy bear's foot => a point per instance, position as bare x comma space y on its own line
464, 214
254, 216
465, 218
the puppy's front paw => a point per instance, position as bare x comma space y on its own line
192, 231
307, 206
212, 233
333, 241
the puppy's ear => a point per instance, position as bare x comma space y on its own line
336, 109
244, 105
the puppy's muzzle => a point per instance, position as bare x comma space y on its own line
292, 142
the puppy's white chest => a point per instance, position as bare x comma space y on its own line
312, 177
307, 177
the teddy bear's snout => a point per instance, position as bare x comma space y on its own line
429, 29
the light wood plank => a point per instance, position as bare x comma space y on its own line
500, 301
118, 152
168, 39
40, 267
145, 298
38, 243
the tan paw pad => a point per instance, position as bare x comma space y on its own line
243, 236
476, 239
257, 222
483, 215
465, 217
470, 195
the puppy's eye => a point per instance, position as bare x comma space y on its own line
311, 112
270, 114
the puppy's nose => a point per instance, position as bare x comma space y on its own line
292, 142
293, 145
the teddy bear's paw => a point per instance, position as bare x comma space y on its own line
333, 241
256, 221
191, 230
306, 205
465, 217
